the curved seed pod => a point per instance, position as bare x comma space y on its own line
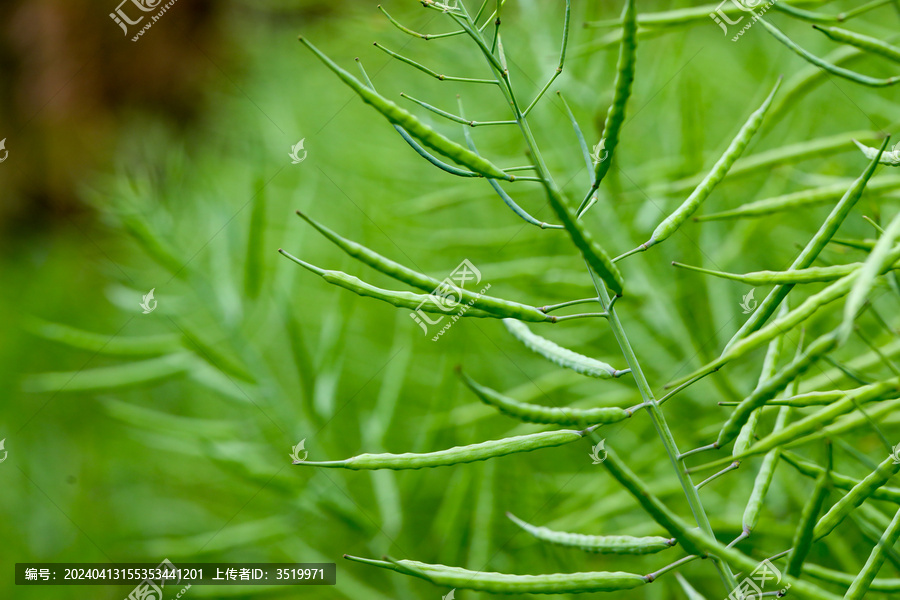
424, 302
808, 275
880, 260
504, 583
595, 255
769, 367
456, 455
803, 534
424, 134
425, 283
863, 582
103, 344
886, 158
863, 42
805, 400
833, 69
599, 544
776, 157
846, 579
877, 478
767, 390
559, 355
625, 68
839, 480
670, 18
533, 413
802, 199
652, 505
716, 174
112, 378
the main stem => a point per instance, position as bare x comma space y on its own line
659, 421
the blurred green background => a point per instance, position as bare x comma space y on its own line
163, 164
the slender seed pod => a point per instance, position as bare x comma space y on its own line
424, 302
808, 275
592, 252
411, 124
533, 413
802, 400
651, 504
769, 367
672, 18
783, 155
456, 455
833, 69
688, 589
767, 390
886, 158
598, 544
114, 377
804, 532
715, 176
561, 356
149, 345
809, 253
424, 282
863, 582
851, 422
863, 42
877, 478
802, 199
763, 481
844, 482
880, 260
615, 116
504, 583
846, 579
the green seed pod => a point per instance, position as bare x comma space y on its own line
716, 174
559, 355
886, 158
424, 302
808, 275
456, 455
625, 68
846, 579
599, 544
802, 199
595, 255
863, 582
115, 377
770, 365
149, 345
428, 284
763, 481
533, 413
877, 478
839, 480
863, 42
400, 117
833, 69
503, 583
